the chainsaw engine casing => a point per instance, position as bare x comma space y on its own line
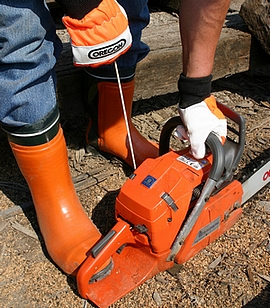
151, 209
157, 198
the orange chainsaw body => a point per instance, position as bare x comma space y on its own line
150, 210
141, 200
219, 214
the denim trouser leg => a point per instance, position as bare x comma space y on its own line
28, 51
138, 16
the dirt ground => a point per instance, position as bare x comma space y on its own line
234, 271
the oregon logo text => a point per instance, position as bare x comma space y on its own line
266, 175
107, 50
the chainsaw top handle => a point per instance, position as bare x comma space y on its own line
231, 151
212, 142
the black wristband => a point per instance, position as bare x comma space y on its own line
193, 90
78, 8
38, 133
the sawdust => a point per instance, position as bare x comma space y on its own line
234, 271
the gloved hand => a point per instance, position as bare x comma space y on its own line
101, 36
200, 119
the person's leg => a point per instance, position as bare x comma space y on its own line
107, 128
201, 23
29, 115
28, 53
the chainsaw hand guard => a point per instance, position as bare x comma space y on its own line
215, 174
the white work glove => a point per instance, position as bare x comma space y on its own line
200, 120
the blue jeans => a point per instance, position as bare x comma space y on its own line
29, 48
138, 17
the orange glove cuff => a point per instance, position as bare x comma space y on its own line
212, 105
101, 36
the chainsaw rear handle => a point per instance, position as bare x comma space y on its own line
212, 142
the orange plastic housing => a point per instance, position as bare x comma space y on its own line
140, 203
220, 213
141, 199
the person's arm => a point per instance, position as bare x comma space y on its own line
78, 8
200, 23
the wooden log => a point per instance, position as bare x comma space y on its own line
256, 15
173, 5
158, 73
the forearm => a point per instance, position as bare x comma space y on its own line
201, 23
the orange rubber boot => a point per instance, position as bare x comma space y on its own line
67, 231
111, 126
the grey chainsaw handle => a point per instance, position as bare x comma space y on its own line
212, 142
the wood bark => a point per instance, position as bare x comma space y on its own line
256, 14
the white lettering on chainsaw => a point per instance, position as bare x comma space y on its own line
193, 163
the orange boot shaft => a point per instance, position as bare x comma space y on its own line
65, 227
112, 131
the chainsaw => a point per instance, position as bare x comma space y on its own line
169, 209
